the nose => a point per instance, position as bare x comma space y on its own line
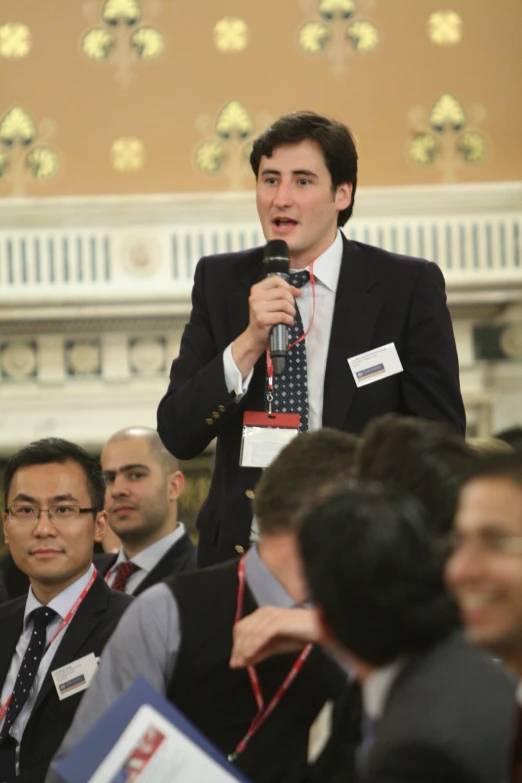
283, 195
465, 565
119, 486
44, 527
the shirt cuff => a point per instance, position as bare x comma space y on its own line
233, 379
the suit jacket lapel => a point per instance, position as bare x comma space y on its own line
169, 565
86, 619
357, 306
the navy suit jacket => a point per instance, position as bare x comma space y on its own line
180, 557
381, 298
88, 632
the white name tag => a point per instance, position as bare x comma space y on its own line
75, 677
375, 364
264, 435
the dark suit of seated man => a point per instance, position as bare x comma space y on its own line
54, 494
437, 708
144, 483
178, 635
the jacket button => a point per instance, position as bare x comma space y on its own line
239, 548
215, 415
250, 494
221, 408
209, 421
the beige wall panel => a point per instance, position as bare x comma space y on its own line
171, 103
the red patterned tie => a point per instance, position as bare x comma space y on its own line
516, 763
122, 574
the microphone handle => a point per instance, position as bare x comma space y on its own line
279, 338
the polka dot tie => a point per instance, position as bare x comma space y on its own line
291, 388
123, 572
41, 618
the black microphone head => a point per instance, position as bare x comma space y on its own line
276, 257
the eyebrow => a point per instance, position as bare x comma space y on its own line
126, 467
295, 172
54, 499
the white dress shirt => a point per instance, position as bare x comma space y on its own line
326, 270
146, 560
62, 605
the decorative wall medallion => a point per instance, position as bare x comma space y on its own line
444, 137
147, 355
24, 154
18, 359
141, 255
125, 38
15, 41
338, 31
83, 357
128, 154
230, 35
445, 28
229, 151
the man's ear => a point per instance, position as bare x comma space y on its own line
6, 534
175, 484
100, 525
343, 195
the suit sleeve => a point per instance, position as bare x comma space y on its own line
197, 404
430, 382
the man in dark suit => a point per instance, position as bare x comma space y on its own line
54, 494
352, 298
437, 709
143, 483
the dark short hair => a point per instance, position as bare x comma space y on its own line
372, 568
51, 450
425, 458
499, 466
333, 138
303, 473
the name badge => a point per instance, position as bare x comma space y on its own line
264, 435
75, 677
375, 365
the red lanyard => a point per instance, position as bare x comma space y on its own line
262, 713
269, 362
63, 625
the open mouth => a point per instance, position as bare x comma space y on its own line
284, 222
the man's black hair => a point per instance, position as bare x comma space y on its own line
51, 450
373, 570
333, 138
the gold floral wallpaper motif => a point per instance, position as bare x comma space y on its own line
228, 152
230, 34
445, 28
126, 37
338, 31
24, 151
445, 138
15, 41
128, 154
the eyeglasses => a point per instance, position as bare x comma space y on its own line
30, 515
489, 542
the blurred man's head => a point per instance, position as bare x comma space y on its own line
375, 575
53, 513
143, 484
424, 458
484, 571
305, 472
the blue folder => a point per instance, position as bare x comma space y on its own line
84, 759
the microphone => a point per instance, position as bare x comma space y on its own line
276, 260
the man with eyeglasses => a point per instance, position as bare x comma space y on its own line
484, 571
51, 640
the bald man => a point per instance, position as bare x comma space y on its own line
143, 484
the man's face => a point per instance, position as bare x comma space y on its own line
485, 570
139, 497
53, 552
295, 201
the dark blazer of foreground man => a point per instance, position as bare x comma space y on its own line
438, 710
380, 298
56, 553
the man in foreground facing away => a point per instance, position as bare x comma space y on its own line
53, 515
436, 708
179, 637
343, 299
